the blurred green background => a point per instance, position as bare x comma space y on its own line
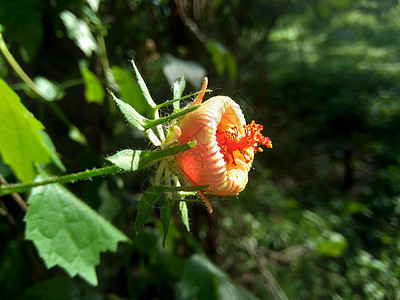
319, 218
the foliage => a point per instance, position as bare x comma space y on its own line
320, 216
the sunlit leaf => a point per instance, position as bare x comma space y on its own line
80, 32
132, 160
67, 232
94, 91
49, 90
175, 67
94, 4
143, 86
177, 90
21, 144
76, 135
184, 214
129, 91
331, 244
133, 117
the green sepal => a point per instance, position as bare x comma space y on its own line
184, 214
150, 197
165, 215
132, 160
177, 90
143, 86
133, 117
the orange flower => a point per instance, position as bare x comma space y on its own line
225, 146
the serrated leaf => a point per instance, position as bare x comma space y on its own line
133, 117
184, 214
132, 160
49, 91
165, 215
129, 90
67, 232
177, 90
94, 91
21, 144
80, 32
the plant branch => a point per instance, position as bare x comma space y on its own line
19, 188
16, 196
17, 68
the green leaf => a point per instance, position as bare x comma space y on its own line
177, 90
174, 67
133, 117
165, 215
94, 4
146, 203
54, 157
132, 160
129, 90
49, 91
184, 214
23, 25
80, 32
57, 288
141, 123
203, 280
331, 244
222, 58
143, 86
94, 91
67, 232
150, 197
110, 204
21, 144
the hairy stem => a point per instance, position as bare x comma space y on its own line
19, 188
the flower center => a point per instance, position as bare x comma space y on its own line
230, 140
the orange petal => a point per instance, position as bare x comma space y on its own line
204, 164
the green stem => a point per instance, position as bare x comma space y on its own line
179, 99
19, 188
17, 68
29, 82
152, 123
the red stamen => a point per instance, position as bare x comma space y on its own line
230, 140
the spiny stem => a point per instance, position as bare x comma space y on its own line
19, 188
16, 196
